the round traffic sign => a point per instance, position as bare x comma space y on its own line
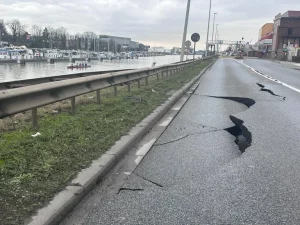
188, 44
195, 37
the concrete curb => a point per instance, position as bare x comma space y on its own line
65, 201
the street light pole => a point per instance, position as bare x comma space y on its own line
206, 50
185, 29
216, 38
212, 35
216, 32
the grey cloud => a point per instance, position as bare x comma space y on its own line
151, 21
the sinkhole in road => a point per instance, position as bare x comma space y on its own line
241, 133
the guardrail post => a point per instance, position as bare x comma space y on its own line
98, 97
34, 118
128, 85
73, 105
115, 90
139, 83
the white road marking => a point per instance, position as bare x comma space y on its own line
176, 108
138, 159
166, 122
268, 77
145, 148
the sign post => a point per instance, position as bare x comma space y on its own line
195, 38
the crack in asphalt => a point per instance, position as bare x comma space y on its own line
130, 189
241, 133
268, 90
188, 135
144, 178
246, 101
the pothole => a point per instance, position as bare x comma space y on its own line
242, 134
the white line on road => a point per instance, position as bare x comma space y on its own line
145, 148
166, 122
268, 77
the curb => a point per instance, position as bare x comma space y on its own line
65, 201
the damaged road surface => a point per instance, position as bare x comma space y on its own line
230, 156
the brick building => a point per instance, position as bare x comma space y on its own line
286, 35
265, 30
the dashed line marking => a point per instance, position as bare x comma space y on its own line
268, 77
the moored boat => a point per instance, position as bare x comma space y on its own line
78, 67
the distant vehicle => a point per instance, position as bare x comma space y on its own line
240, 55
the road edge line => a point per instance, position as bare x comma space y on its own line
267, 76
65, 201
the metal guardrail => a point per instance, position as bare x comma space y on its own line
22, 83
22, 99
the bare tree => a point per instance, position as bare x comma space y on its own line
36, 31
3, 31
14, 26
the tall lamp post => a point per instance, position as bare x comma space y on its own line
212, 35
185, 29
0, 36
216, 38
206, 50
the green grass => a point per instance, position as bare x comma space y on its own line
33, 170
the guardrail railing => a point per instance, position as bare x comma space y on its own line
13, 101
22, 83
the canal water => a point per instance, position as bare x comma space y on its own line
13, 71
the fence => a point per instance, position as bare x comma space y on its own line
32, 97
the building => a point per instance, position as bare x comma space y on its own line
286, 35
265, 30
124, 42
156, 49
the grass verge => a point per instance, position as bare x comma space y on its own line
34, 169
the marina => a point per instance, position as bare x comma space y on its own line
32, 70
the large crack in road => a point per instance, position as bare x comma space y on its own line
268, 90
241, 133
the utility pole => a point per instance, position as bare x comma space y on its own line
206, 50
212, 35
185, 29
216, 38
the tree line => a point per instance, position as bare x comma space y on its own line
16, 33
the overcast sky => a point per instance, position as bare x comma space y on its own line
153, 22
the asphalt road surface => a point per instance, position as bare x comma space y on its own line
231, 156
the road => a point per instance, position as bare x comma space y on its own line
230, 156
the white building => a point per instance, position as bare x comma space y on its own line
156, 49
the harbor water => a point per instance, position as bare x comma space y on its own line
13, 71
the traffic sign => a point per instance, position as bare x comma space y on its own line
188, 44
195, 37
